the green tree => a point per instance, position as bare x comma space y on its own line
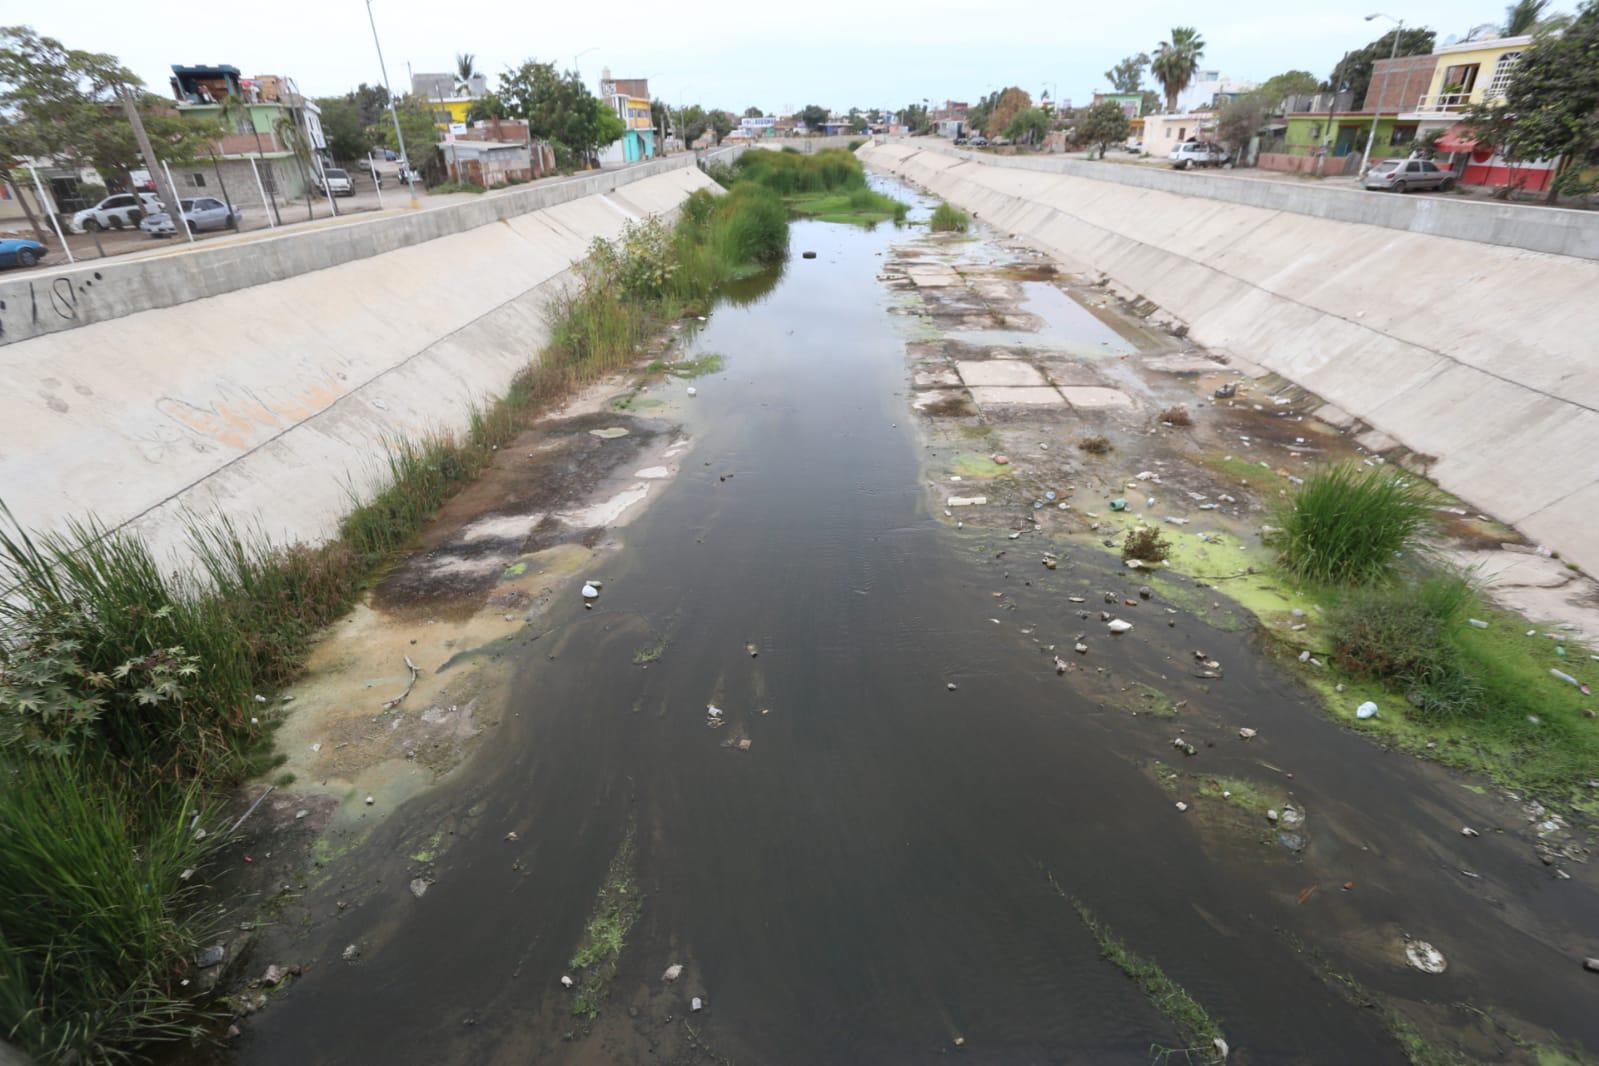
1127, 76
814, 116
63, 103
347, 138
1030, 125
1241, 119
371, 104
558, 107
1102, 124
754, 112
857, 121
721, 123
1005, 108
1353, 72
487, 106
913, 117
1175, 62
1551, 108
420, 129
1274, 90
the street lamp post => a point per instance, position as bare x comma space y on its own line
405, 160
1393, 52
575, 68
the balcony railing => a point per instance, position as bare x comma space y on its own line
1444, 103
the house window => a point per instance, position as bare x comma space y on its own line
1315, 131
1402, 135
1504, 70
1460, 79
196, 180
1182, 133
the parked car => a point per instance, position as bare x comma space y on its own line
123, 210
390, 155
960, 140
1192, 154
979, 141
1135, 147
203, 213
1402, 175
20, 252
333, 180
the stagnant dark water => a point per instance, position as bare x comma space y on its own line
868, 881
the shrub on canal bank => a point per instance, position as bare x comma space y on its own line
1348, 524
790, 173
128, 694
947, 218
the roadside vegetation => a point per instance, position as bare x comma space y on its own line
1349, 524
948, 218
829, 186
133, 699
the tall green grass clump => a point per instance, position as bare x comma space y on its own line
790, 174
1348, 524
94, 914
947, 218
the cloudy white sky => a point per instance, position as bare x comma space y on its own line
773, 56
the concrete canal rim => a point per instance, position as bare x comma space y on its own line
1477, 354
264, 379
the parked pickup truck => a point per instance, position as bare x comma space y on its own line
335, 181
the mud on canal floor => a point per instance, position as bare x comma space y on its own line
919, 822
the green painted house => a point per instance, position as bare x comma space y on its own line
1344, 133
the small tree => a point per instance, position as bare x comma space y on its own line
1127, 76
1101, 124
814, 116
1029, 126
1005, 108
1551, 108
1240, 120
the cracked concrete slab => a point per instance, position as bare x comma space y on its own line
1018, 396
1096, 397
1001, 372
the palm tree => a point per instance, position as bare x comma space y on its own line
290, 136
466, 70
1175, 62
1522, 16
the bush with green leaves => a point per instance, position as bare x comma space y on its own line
947, 218
1349, 524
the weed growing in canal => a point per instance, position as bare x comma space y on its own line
1348, 524
650, 653
94, 918
1146, 544
1095, 445
1194, 1024
790, 173
947, 218
698, 367
1177, 416
617, 907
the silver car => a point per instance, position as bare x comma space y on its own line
203, 213
1403, 175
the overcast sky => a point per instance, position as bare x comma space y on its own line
773, 56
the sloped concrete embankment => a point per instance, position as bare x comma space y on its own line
1479, 356
274, 402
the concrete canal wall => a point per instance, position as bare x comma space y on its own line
1477, 354
264, 379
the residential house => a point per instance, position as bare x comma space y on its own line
1207, 87
1163, 132
495, 152
450, 102
949, 119
630, 99
257, 153
1132, 104
1466, 74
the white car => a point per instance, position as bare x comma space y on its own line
335, 181
123, 210
1192, 154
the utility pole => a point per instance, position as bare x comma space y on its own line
163, 182
1399, 29
399, 137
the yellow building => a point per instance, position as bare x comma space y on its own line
451, 110
1472, 72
